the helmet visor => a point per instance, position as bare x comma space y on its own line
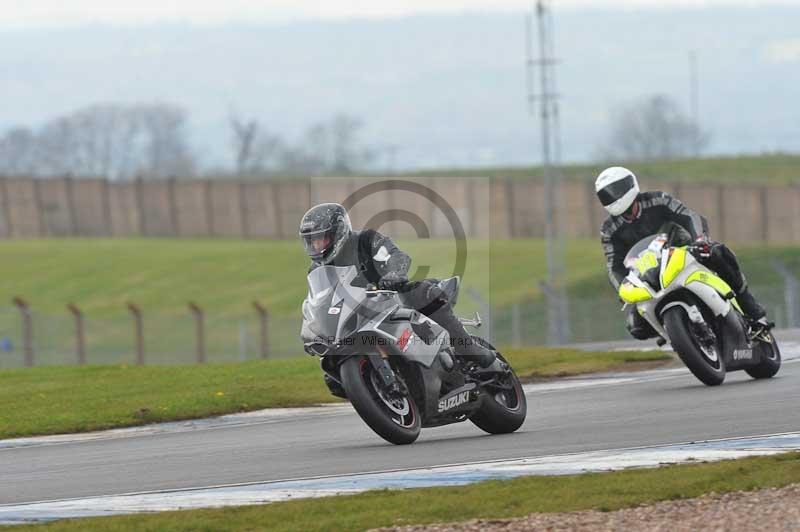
615, 191
318, 243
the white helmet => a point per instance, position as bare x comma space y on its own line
617, 188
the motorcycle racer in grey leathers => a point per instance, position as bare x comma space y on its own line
328, 239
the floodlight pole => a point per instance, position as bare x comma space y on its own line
557, 310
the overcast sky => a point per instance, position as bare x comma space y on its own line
37, 13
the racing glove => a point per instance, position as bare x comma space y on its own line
392, 281
702, 247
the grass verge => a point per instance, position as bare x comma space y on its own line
494, 499
750, 169
59, 399
546, 362
162, 275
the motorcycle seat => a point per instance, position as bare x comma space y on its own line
450, 287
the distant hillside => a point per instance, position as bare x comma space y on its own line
772, 169
434, 91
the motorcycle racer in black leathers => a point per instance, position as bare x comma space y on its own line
636, 214
329, 239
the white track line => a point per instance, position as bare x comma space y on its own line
448, 475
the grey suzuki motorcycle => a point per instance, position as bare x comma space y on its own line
396, 366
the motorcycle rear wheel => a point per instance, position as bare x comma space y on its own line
770, 362
396, 420
503, 410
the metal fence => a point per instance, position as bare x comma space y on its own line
30, 338
600, 319
57, 339
496, 207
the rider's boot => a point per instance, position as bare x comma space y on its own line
752, 309
465, 346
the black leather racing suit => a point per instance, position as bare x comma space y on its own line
618, 236
377, 257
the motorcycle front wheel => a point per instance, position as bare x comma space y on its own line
395, 419
705, 362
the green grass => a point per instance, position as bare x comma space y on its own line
549, 362
493, 499
59, 399
767, 169
224, 276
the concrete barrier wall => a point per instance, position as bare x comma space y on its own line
497, 208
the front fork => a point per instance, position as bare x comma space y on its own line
387, 375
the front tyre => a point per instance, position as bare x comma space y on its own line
704, 361
504, 405
394, 419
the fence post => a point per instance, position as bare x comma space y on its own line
791, 287
136, 312
486, 313
173, 207
69, 191
139, 191
27, 329
6, 211
516, 326
199, 321
262, 324
558, 328
80, 342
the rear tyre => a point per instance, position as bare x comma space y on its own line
770, 360
396, 420
704, 362
504, 406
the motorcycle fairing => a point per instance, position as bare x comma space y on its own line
336, 310
679, 270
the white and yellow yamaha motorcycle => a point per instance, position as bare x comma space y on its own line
696, 311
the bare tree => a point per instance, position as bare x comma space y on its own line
99, 140
18, 152
56, 148
653, 128
255, 150
116, 141
329, 147
124, 141
346, 154
166, 152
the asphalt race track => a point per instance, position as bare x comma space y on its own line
580, 415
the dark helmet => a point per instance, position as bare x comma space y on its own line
324, 230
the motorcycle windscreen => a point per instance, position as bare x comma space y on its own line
338, 304
325, 306
653, 243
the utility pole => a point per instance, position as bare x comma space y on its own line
693, 101
547, 98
